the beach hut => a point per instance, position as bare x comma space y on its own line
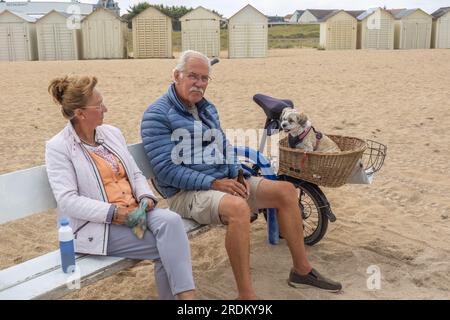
152, 34
200, 31
247, 34
338, 31
376, 29
104, 35
58, 37
313, 15
17, 37
412, 29
440, 36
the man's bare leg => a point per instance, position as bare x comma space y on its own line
235, 214
283, 197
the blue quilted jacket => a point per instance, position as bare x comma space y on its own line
185, 164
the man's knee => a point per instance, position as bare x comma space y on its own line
234, 210
286, 192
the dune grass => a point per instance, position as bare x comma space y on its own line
280, 36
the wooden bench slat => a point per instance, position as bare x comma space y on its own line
28, 191
25, 192
53, 284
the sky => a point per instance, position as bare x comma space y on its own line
284, 7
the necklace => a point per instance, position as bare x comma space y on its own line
89, 144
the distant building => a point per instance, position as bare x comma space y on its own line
338, 31
441, 28
200, 31
296, 16
275, 20
247, 34
376, 29
314, 15
39, 9
287, 17
355, 13
108, 4
412, 29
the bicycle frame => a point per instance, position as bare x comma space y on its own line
258, 158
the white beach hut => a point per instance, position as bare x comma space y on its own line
104, 35
247, 34
200, 31
152, 34
338, 31
376, 29
412, 29
440, 37
58, 37
17, 37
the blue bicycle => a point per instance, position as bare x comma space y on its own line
314, 206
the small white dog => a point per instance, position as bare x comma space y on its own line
302, 134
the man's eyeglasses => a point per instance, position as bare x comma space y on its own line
196, 77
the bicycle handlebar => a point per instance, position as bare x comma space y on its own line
213, 61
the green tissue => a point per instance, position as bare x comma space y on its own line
137, 220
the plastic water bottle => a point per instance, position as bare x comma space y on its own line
66, 246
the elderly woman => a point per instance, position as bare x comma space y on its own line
97, 184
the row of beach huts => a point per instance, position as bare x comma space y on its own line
102, 34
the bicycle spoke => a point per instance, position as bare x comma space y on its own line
310, 212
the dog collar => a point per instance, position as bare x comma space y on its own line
294, 141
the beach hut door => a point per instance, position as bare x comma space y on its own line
17, 42
4, 43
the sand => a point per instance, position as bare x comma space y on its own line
400, 223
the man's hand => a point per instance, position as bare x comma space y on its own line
230, 186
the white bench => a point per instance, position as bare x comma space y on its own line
25, 192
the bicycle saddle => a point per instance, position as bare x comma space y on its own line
272, 106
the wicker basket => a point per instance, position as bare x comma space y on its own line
324, 169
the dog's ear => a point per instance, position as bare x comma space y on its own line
283, 113
302, 119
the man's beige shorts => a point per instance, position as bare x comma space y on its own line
203, 206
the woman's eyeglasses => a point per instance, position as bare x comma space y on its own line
99, 107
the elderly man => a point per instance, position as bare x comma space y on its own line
208, 191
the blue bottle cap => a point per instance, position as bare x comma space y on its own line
64, 221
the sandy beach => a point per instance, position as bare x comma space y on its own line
400, 223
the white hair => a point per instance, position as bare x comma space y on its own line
185, 55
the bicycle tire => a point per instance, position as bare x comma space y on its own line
320, 204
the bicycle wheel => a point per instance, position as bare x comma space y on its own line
314, 208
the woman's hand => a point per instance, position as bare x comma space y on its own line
121, 216
151, 204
